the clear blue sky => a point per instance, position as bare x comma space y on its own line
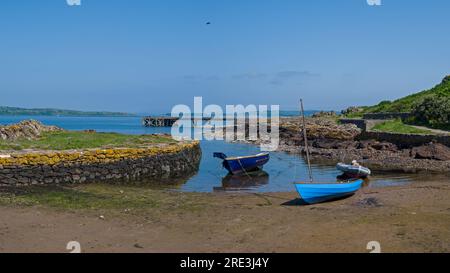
147, 55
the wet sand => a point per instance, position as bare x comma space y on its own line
413, 218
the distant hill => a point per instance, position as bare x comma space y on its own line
16, 111
405, 104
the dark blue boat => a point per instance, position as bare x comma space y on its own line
243, 164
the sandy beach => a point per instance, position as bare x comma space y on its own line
413, 218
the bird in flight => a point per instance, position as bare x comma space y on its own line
208, 23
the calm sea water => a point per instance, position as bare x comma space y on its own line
282, 170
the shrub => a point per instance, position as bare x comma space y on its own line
433, 110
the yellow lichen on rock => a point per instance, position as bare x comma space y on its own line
92, 156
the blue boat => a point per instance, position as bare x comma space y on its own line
243, 164
313, 193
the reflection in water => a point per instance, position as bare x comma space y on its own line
366, 182
154, 183
244, 181
344, 178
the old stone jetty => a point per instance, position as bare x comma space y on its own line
92, 165
158, 121
166, 121
31, 166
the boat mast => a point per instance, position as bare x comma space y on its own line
306, 143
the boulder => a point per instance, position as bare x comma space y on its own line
29, 129
377, 145
434, 151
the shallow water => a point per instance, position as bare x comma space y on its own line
282, 170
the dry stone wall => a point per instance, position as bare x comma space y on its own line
79, 166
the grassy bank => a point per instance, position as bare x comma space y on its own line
68, 140
397, 126
429, 107
406, 104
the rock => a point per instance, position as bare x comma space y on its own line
352, 110
138, 246
324, 114
376, 145
76, 177
434, 151
369, 202
29, 129
334, 144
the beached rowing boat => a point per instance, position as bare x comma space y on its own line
312, 192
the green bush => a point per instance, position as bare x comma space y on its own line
433, 110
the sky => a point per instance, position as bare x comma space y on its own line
145, 56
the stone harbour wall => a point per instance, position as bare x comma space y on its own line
82, 166
400, 115
363, 124
405, 140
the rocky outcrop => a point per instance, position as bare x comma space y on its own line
352, 110
434, 151
380, 160
318, 128
29, 129
343, 142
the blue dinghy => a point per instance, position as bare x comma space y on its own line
243, 164
313, 193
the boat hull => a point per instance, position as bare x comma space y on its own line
313, 193
239, 165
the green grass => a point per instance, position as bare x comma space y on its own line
100, 197
397, 126
83, 140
